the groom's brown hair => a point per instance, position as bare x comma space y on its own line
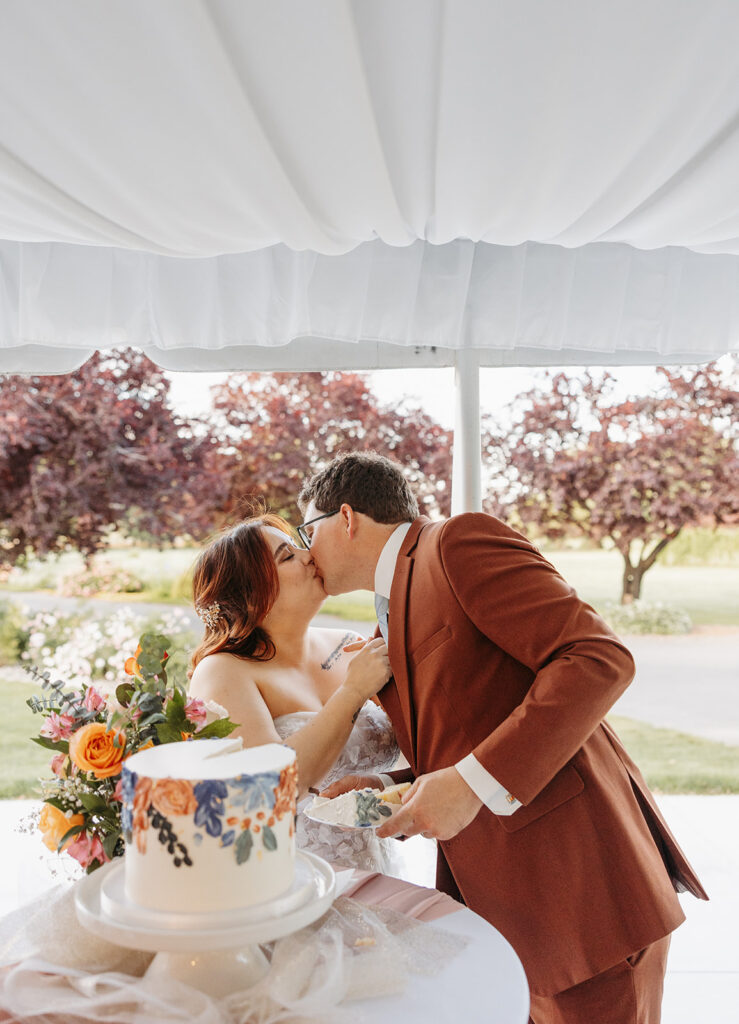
368, 482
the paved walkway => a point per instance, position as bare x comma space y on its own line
703, 971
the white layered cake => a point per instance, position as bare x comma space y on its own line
208, 825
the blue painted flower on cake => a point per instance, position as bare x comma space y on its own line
128, 785
210, 795
251, 792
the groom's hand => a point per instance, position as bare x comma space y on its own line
438, 805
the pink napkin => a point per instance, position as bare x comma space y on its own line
377, 890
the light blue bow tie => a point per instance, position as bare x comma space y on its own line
381, 609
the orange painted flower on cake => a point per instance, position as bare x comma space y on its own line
173, 796
53, 824
93, 749
286, 793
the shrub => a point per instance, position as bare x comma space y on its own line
11, 625
646, 617
80, 649
100, 578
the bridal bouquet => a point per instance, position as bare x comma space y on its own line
92, 732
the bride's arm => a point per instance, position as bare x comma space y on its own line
319, 743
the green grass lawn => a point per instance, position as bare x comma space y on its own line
709, 594
675, 762
671, 761
21, 761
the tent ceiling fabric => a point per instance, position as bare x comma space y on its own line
233, 183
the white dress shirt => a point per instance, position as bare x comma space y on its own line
479, 779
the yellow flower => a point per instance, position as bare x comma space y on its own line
53, 823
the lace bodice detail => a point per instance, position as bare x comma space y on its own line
371, 748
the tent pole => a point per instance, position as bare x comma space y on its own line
467, 458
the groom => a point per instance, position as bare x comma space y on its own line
502, 677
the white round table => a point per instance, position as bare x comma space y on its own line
484, 984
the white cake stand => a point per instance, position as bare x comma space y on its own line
216, 953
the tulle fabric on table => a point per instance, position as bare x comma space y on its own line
371, 748
352, 952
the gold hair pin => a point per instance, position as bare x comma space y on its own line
209, 615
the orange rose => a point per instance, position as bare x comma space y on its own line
53, 823
173, 796
93, 749
132, 668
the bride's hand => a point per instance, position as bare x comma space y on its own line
369, 669
349, 782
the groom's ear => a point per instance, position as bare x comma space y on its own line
349, 520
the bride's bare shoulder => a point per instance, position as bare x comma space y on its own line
219, 671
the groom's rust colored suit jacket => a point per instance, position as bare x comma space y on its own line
493, 653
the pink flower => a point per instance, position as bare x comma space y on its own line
94, 701
118, 791
195, 710
203, 712
85, 849
57, 727
58, 763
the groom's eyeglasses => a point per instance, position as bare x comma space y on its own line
303, 528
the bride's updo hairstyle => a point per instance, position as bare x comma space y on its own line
234, 585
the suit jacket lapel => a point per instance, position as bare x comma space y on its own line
396, 631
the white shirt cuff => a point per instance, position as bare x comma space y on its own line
486, 788
387, 780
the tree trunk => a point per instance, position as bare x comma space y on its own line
631, 582
634, 574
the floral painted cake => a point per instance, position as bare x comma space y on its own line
208, 825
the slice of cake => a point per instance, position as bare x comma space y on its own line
359, 808
394, 794
208, 825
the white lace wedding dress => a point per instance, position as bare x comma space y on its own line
371, 748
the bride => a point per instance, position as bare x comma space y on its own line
285, 681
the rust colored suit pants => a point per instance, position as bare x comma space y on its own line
629, 993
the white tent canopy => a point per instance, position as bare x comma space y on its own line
236, 183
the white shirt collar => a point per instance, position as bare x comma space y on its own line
385, 568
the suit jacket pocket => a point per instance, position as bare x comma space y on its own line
429, 645
565, 785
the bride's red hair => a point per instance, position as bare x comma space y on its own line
234, 586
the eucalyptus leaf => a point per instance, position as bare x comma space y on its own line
124, 692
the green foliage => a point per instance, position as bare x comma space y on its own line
646, 617
100, 447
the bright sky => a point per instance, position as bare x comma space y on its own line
432, 388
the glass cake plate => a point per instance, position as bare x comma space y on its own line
217, 953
